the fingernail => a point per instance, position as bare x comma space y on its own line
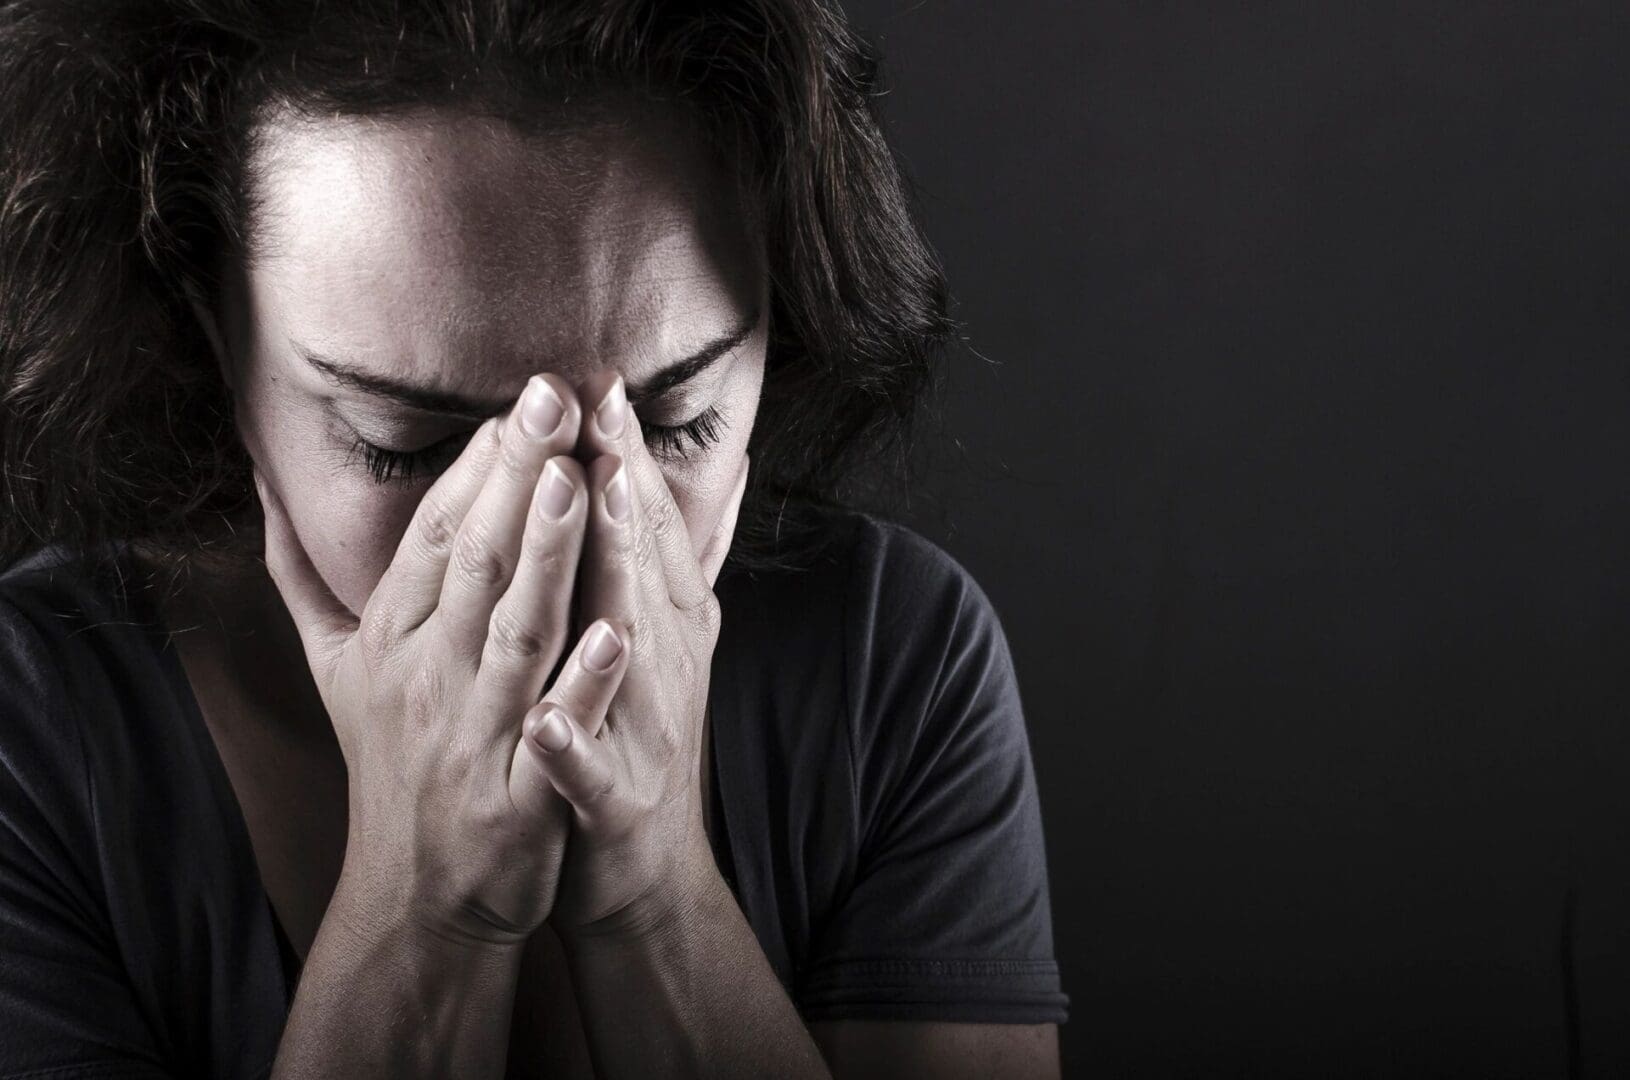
613, 411
603, 648
617, 494
556, 497
552, 733
541, 409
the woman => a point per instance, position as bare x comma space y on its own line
380, 383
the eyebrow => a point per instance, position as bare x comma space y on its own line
449, 403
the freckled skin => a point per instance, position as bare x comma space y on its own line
462, 253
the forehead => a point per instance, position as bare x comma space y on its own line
432, 242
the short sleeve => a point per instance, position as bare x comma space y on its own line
947, 915
66, 1009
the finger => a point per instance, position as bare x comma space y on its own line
408, 590
325, 624
620, 578
586, 772
718, 544
487, 546
615, 429
583, 692
590, 678
529, 624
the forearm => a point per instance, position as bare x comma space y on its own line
687, 991
380, 996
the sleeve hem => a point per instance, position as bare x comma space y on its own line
1045, 1009
973, 991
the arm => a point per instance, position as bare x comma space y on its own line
455, 839
685, 989
860, 1049
380, 996
939, 960
668, 975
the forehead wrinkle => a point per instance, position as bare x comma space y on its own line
484, 286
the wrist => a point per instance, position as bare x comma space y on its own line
379, 914
689, 887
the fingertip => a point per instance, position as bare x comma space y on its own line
618, 498
608, 416
611, 411
551, 731
603, 466
603, 645
567, 393
555, 494
608, 477
572, 469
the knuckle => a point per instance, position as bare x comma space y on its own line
512, 638
544, 557
602, 793
687, 668
624, 552
377, 636
659, 511
639, 628
645, 550
708, 616
436, 527
478, 562
515, 462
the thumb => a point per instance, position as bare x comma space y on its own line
718, 545
324, 623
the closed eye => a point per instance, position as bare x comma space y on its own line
386, 465
669, 440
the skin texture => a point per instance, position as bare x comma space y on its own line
456, 253
412, 249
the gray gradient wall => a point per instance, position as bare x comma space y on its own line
1300, 481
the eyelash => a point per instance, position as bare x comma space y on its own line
703, 431
387, 466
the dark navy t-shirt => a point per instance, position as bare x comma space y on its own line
876, 815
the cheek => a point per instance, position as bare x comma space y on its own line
702, 487
697, 501
349, 540
348, 527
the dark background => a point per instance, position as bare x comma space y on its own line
1300, 478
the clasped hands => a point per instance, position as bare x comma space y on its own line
483, 801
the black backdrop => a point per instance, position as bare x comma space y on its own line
1301, 481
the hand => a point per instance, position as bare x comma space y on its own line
633, 779
453, 825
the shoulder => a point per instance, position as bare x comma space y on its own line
876, 596
50, 661
47, 601
902, 583
943, 912
888, 644
871, 572
77, 669
926, 654
50, 860
67, 630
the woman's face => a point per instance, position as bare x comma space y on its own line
411, 273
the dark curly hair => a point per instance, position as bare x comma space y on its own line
125, 126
